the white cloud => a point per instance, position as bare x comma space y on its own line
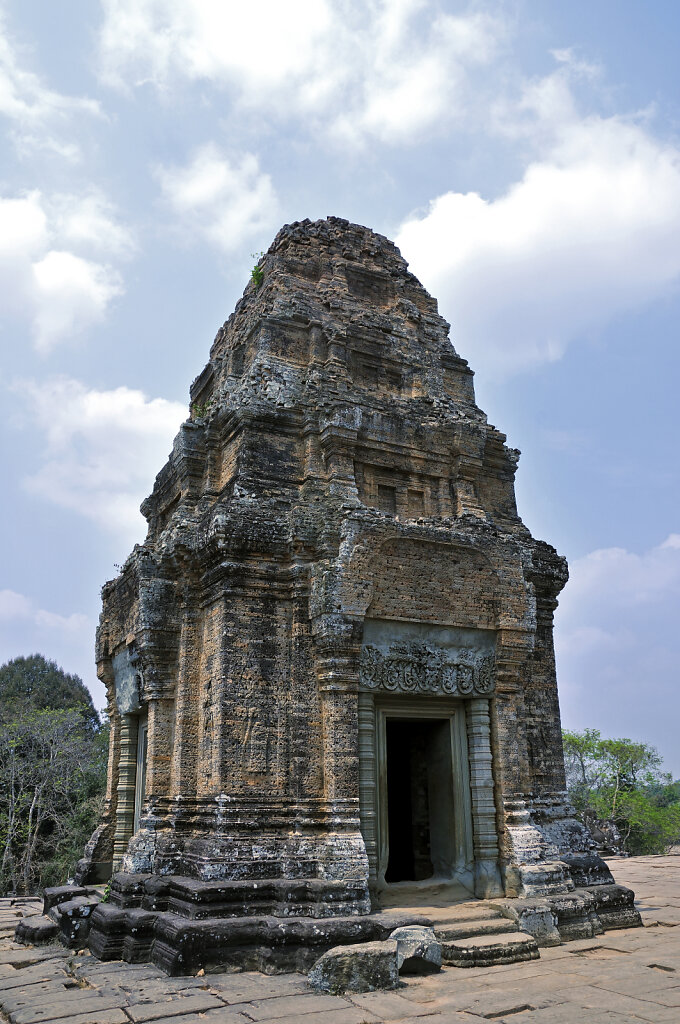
90, 222
46, 267
102, 449
591, 230
16, 608
38, 114
71, 294
220, 199
26, 628
617, 643
624, 580
385, 69
13, 605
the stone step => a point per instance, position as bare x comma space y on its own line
462, 913
468, 929
490, 950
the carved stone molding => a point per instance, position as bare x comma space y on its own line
417, 667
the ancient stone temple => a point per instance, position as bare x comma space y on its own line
330, 665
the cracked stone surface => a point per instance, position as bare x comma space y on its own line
621, 977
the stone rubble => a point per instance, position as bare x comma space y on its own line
418, 951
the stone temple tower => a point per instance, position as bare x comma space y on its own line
330, 665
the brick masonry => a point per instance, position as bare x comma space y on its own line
335, 471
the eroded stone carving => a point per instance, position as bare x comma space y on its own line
335, 487
414, 667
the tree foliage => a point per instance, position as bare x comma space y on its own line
37, 683
618, 786
52, 773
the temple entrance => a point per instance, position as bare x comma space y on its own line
420, 799
415, 802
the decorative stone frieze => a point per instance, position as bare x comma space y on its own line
412, 667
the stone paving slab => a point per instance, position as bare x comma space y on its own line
212, 1017
348, 1015
98, 1016
388, 1005
286, 1006
159, 1007
622, 977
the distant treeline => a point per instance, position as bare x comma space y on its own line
53, 754
620, 791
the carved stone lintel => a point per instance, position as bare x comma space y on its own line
417, 667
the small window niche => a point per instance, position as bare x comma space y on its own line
387, 499
416, 502
237, 359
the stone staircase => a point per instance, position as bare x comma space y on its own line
477, 935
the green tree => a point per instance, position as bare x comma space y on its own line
52, 772
621, 782
38, 683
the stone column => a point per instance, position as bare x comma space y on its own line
159, 753
340, 748
485, 840
185, 739
127, 779
338, 647
368, 783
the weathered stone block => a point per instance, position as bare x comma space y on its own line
364, 967
36, 929
418, 951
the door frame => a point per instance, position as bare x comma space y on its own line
391, 707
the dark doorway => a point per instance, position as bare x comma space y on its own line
419, 799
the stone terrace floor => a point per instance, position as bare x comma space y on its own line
622, 977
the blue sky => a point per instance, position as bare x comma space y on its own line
524, 155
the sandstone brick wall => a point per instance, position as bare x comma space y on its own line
334, 467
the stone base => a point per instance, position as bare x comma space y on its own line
181, 945
278, 897
580, 914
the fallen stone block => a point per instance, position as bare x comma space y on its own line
615, 906
534, 916
36, 929
418, 951
489, 950
364, 967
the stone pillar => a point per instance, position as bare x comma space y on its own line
368, 783
340, 748
510, 735
338, 647
127, 779
485, 840
185, 740
159, 753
